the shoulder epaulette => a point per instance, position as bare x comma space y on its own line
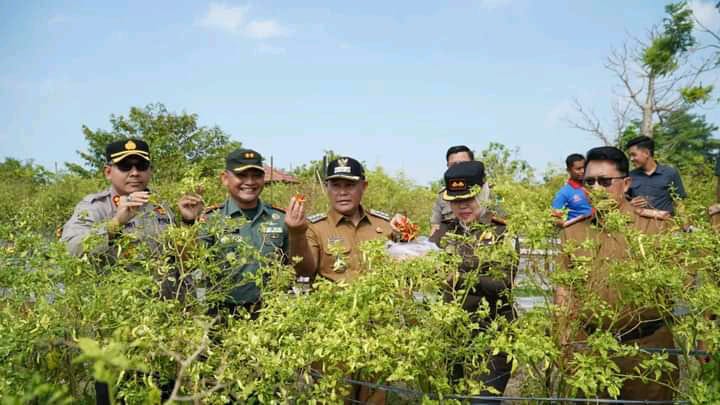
97, 196
316, 218
498, 220
379, 214
213, 207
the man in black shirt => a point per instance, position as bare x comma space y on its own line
653, 185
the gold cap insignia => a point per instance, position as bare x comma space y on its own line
130, 145
249, 155
342, 162
457, 185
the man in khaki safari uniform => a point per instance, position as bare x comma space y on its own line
329, 243
608, 167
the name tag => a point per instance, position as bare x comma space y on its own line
274, 229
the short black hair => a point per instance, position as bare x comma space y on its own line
571, 159
609, 153
459, 149
644, 142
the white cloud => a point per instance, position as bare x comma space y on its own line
706, 13
224, 17
265, 29
236, 20
494, 4
270, 50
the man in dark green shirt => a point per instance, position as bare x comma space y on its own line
246, 219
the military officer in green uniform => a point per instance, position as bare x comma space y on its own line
246, 219
124, 206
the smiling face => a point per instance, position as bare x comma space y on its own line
345, 195
639, 156
128, 181
244, 187
467, 210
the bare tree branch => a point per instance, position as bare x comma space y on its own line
618, 63
187, 362
589, 123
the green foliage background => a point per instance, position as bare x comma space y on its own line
67, 321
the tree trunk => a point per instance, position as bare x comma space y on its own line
648, 107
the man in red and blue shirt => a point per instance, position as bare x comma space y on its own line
572, 196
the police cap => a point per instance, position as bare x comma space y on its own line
119, 150
243, 159
345, 168
464, 180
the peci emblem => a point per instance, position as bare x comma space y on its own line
342, 166
130, 145
457, 185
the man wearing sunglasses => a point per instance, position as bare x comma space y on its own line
606, 175
124, 206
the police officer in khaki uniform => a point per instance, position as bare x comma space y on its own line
608, 167
124, 206
483, 229
329, 243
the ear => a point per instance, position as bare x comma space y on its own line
364, 185
107, 170
627, 181
224, 178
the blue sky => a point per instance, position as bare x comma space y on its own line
391, 83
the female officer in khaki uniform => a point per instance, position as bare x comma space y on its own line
463, 186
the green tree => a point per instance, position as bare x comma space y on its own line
501, 163
683, 139
657, 77
13, 170
176, 141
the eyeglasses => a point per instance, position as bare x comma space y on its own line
127, 165
603, 181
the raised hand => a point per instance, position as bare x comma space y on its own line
295, 215
191, 206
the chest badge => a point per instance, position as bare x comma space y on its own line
275, 217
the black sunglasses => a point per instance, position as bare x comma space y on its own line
127, 165
603, 181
